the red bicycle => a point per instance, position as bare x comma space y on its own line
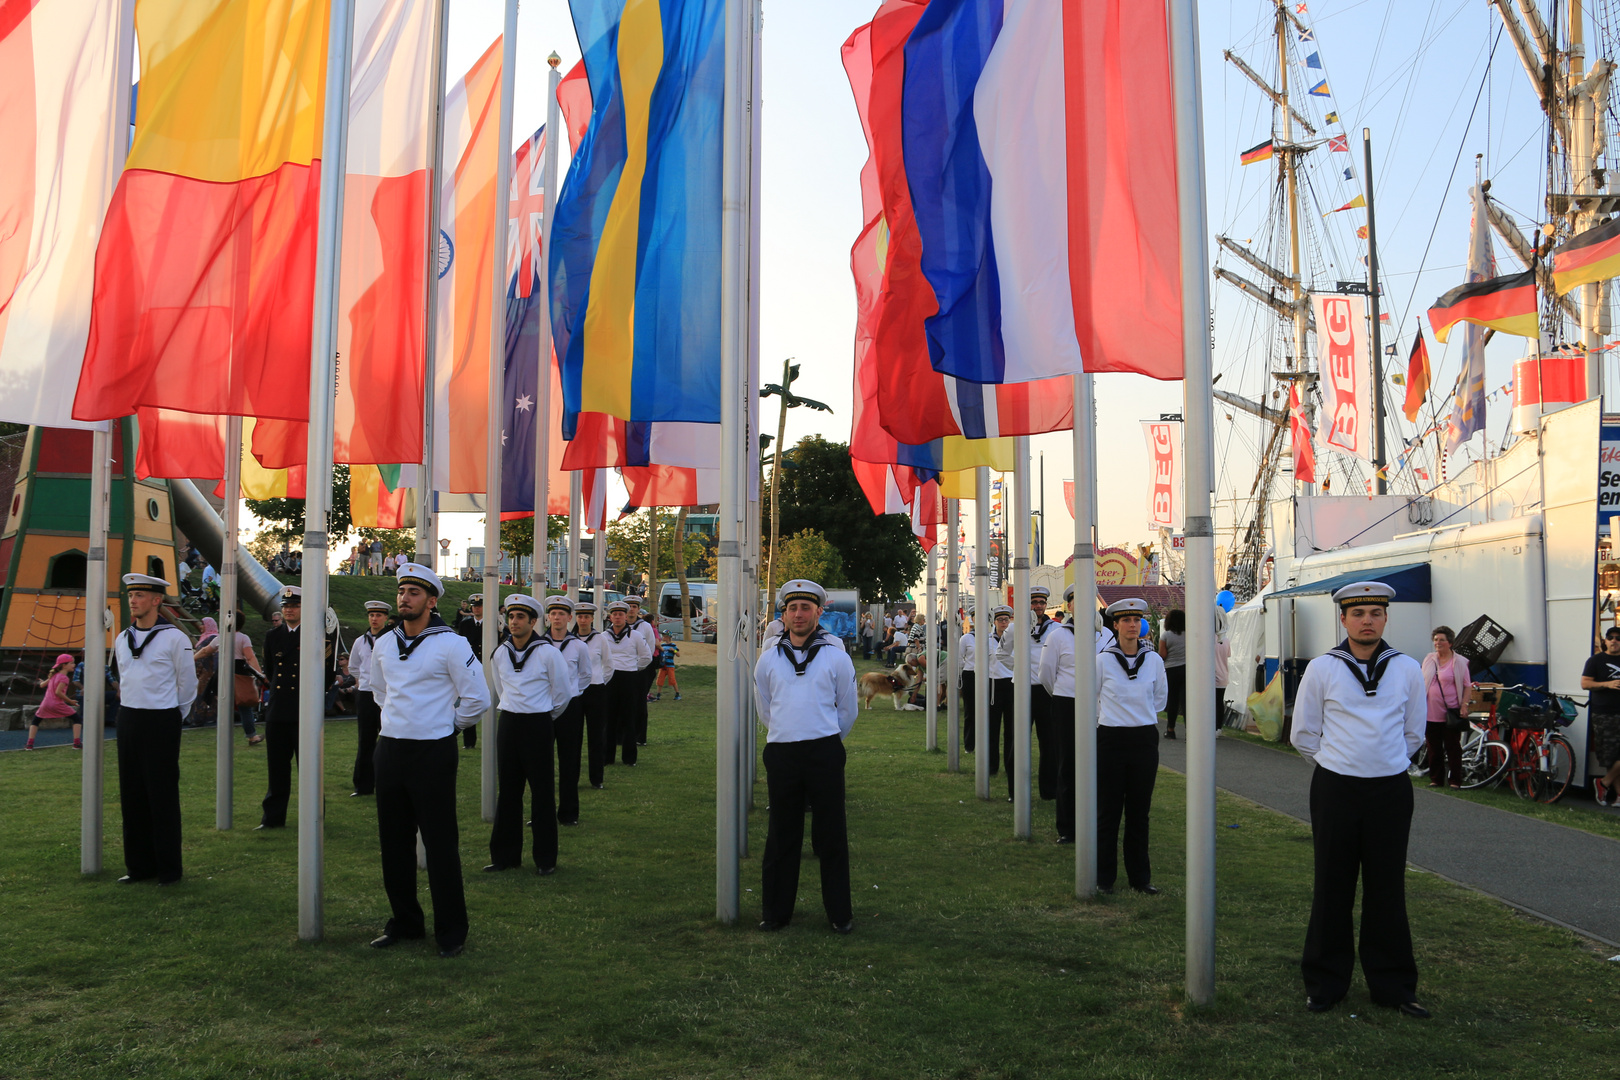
1543, 760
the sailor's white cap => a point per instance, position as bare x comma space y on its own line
145, 583
378, 605
1364, 592
1068, 594
556, 603
416, 574
584, 607
1039, 592
998, 612
633, 599
524, 601
1131, 605
476, 598
618, 605
292, 596
800, 589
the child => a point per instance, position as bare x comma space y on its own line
58, 702
667, 650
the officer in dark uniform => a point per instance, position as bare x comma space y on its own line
281, 646
471, 627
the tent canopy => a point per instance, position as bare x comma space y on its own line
1409, 580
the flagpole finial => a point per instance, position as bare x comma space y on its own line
553, 59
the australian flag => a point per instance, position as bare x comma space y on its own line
523, 358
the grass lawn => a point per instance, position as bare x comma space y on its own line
970, 956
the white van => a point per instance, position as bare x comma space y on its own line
703, 596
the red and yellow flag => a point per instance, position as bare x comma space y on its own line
1506, 303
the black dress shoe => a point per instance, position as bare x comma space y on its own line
568, 824
496, 867
1320, 1004
452, 952
1413, 1009
545, 871
770, 925
846, 927
267, 825
131, 879
1146, 890
1065, 839
388, 941
358, 794
1105, 890
598, 787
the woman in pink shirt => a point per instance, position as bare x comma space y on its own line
1447, 679
58, 702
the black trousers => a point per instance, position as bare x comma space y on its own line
625, 695
597, 748
1220, 707
999, 732
1176, 705
416, 791
1359, 826
370, 724
1127, 768
648, 674
1040, 709
149, 791
1061, 720
469, 737
569, 729
970, 733
281, 747
523, 746
799, 775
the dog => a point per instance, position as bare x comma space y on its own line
897, 684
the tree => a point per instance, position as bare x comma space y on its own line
790, 400
284, 518
394, 541
808, 554
628, 543
680, 576
819, 491
264, 546
517, 535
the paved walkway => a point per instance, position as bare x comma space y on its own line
1563, 875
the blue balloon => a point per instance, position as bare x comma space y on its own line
1225, 600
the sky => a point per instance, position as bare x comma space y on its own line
1415, 73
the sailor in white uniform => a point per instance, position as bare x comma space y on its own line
805, 685
429, 685
157, 682
1131, 689
1001, 695
626, 696
595, 699
570, 725
368, 716
1057, 679
965, 662
649, 670
1359, 716
1045, 772
533, 686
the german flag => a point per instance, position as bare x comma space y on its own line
1262, 152
1589, 256
1507, 304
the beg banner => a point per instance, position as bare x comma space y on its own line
1165, 505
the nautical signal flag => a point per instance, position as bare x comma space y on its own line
1417, 379
635, 245
1359, 200
1587, 257
1361, 232
1506, 303
1263, 152
1339, 144
1307, 35
1321, 90
1314, 60
1332, 118
1304, 451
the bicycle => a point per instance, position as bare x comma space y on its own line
1484, 759
1543, 760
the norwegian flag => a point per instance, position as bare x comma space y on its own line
526, 214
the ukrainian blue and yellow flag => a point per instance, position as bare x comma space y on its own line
635, 246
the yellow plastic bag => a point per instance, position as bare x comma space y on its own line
1266, 709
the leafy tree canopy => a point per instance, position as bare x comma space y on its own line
284, 518
628, 544
809, 554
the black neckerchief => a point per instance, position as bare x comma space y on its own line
129, 637
371, 639
1375, 665
629, 629
588, 638
1131, 666
817, 641
407, 645
528, 650
561, 646
1038, 631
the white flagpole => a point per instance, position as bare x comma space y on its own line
748, 733
733, 465
983, 624
1198, 409
225, 658
953, 659
93, 767
930, 662
496, 415
1084, 611
576, 491
542, 405
427, 518
1023, 827
318, 497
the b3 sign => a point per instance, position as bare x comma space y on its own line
1164, 502
1341, 348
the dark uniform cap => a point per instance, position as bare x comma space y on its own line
292, 596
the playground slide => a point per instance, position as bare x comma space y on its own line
256, 586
